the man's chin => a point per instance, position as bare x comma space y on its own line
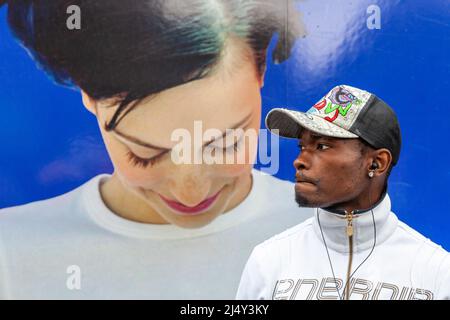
304, 202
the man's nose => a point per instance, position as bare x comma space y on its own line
302, 162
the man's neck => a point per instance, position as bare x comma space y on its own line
363, 203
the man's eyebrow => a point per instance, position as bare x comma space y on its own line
318, 136
152, 146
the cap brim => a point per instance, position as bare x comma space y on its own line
289, 124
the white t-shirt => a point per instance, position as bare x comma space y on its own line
74, 247
294, 265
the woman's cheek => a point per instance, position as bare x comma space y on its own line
243, 161
134, 176
139, 177
232, 170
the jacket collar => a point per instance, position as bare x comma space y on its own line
342, 211
333, 225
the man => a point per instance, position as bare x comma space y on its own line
354, 247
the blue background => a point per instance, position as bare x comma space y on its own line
50, 144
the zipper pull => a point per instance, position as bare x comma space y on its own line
350, 230
349, 217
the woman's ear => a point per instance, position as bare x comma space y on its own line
89, 103
262, 77
261, 80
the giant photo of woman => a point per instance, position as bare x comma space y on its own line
153, 229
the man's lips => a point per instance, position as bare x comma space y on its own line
185, 210
300, 178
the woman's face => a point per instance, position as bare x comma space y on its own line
187, 195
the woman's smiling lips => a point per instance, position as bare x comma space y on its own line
181, 209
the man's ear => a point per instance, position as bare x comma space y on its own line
89, 103
383, 158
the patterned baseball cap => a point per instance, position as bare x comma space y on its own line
345, 112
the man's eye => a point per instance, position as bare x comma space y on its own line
321, 146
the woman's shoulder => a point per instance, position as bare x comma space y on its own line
277, 196
273, 189
263, 179
59, 206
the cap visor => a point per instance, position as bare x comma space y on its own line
289, 124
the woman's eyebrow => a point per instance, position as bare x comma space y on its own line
139, 142
236, 126
151, 146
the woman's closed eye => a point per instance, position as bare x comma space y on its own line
227, 145
144, 162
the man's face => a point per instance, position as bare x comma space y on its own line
330, 171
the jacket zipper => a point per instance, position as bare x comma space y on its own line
349, 217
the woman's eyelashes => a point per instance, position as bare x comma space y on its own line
227, 149
235, 147
142, 162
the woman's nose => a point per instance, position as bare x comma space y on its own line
190, 185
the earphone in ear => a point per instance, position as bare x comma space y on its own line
373, 167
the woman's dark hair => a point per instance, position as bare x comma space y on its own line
135, 48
